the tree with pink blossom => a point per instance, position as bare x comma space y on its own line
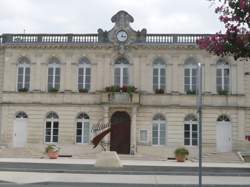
235, 15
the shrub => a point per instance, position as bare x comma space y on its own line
223, 92
53, 89
83, 90
181, 152
191, 92
23, 89
52, 148
159, 91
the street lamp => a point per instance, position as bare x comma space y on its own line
199, 111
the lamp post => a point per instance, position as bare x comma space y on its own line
199, 111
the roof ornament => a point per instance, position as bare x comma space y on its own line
122, 19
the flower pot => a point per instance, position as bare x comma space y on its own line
180, 158
53, 154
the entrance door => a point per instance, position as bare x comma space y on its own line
223, 137
20, 132
120, 133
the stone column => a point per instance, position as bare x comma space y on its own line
105, 121
38, 77
133, 131
68, 77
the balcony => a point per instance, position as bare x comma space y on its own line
51, 98
190, 100
120, 98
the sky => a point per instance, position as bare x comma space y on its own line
87, 16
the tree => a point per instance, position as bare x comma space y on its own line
235, 15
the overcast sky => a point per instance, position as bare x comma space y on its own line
86, 16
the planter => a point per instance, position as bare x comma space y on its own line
180, 158
53, 154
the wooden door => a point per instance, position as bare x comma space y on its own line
120, 133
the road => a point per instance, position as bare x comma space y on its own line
106, 185
127, 170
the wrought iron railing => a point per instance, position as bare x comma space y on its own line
94, 38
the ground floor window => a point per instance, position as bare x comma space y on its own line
190, 134
52, 128
82, 128
159, 130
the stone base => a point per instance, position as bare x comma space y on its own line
108, 159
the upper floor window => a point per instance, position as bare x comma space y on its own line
190, 130
84, 75
121, 73
23, 82
159, 74
54, 74
190, 73
222, 76
159, 130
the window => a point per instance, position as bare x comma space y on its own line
223, 117
82, 128
54, 74
190, 130
222, 76
84, 75
52, 128
121, 76
23, 82
21, 115
143, 136
159, 75
190, 71
159, 130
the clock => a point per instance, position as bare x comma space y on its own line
122, 36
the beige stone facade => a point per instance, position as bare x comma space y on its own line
142, 106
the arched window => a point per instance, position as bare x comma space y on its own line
53, 74
190, 130
222, 76
84, 75
190, 71
21, 115
121, 76
82, 128
159, 74
223, 117
23, 82
159, 130
52, 128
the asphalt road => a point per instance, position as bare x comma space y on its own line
128, 170
106, 185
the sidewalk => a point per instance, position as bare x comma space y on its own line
25, 178
125, 162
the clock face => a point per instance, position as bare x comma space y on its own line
122, 36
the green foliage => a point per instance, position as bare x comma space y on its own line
23, 89
190, 92
223, 92
53, 90
52, 148
181, 152
83, 90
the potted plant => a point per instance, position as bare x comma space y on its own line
181, 154
53, 90
52, 151
191, 92
159, 91
23, 89
83, 90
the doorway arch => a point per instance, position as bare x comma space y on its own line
120, 133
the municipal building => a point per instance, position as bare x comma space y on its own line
58, 88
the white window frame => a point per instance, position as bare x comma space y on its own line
159, 67
54, 66
143, 141
51, 120
190, 67
222, 67
191, 123
24, 66
84, 66
83, 121
121, 68
158, 123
